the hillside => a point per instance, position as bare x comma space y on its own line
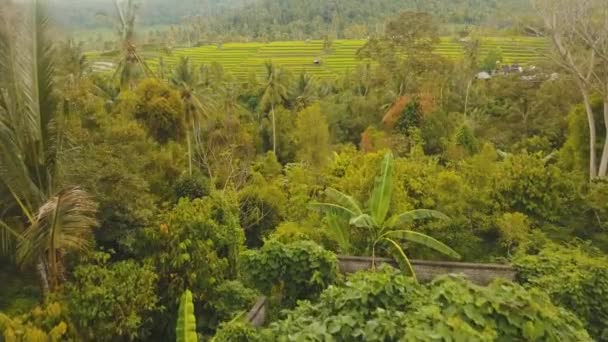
240, 58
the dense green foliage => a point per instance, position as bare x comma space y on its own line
195, 246
159, 108
164, 183
300, 270
43, 323
388, 306
237, 331
573, 278
376, 226
112, 300
206, 20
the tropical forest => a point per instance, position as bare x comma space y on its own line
303, 170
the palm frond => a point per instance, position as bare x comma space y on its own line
28, 123
423, 240
63, 223
383, 190
412, 216
8, 238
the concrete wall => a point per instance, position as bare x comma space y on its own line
257, 315
481, 274
427, 270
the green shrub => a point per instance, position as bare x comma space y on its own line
160, 110
196, 246
261, 209
237, 331
42, 323
388, 306
542, 192
573, 279
112, 301
231, 298
299, 270
192, 187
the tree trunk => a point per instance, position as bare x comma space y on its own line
466, 99
189, 152
604, 161
274, 130
44, 279
592, 134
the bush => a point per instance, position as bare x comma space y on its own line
112, 301
196, 246
230, 299
237, 331
43, 323
543, 192
299, 270
573, 279
389, 306
192, 187
160, 110
262, 207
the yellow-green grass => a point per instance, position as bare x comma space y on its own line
242, 58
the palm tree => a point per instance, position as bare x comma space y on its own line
275, 92
198, 104
131, 62
381, 230
41, 220
185, 79
304, 91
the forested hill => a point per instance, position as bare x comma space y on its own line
259, 17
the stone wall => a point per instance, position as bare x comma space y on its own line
427, 270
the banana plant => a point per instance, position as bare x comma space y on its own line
383, 230
185, 330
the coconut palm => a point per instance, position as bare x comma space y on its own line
198, 103
304, 91
41, 219
275, 92
184, 78
382, 230
131, 63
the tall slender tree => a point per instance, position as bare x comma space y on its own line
185, 78
579, 34
41, 217
275, 92
131, 63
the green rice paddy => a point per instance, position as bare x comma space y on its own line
241, 58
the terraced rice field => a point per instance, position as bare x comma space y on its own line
241, 58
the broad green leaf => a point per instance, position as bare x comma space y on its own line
344, 200
424, 240
339, 232
185, 330
383, 190
414, 215
333, 209
363, 221
402, 259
